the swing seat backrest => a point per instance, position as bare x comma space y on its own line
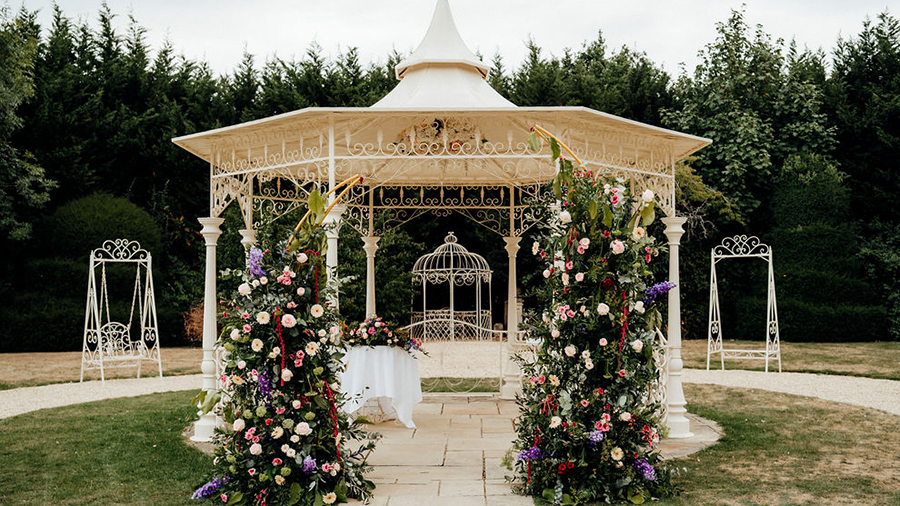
115, 341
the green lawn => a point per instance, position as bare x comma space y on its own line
124, 451
777, 449
873, 360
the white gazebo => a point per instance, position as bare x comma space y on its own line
457, 267
441, 141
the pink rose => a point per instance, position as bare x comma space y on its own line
618, 247
579, 277
247, 328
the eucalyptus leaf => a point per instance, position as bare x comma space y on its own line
534, 144
554, 148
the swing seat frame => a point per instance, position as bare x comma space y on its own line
110, 344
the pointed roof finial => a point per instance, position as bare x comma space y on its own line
442, 44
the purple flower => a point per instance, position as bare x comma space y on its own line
265, 385
656, 290
210, 488
645, 469
533, 453
309, 465
595, 437
255, 263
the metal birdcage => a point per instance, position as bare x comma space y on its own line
454, 265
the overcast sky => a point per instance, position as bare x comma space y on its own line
671, 32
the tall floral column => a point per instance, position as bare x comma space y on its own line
512, 382
203, 428
370, 245
679, 425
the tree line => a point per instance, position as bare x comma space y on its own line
804, 155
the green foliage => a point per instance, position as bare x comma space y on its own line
84, 224
24, 185
758, 108
821, 293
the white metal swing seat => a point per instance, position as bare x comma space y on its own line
742, 246
111, 345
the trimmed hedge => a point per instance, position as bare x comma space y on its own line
800, 321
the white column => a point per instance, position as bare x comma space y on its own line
370, 244
512, 382
203, 428
679, 425
248, 238
332, 224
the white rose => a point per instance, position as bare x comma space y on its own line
555, 422
291, 453
603, 309
239, 424
617, 454
295, 439
618, 247
288, 321
263, 280
277, 433
286, 375
637, 345
255, 283
586, 354
256, 345
317, 311
302, 258
263, 317
235, 334
296, 404
639, 306
625, 417
256, 449
565, 217
579, 277
570, 351
638, 233
546, 273
554, 333
301, 291
589, 365
647, 196
244, 289
285, 448
302, 429
241, 364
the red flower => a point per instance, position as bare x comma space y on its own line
570, 465
608, 284
647, 258
562, 468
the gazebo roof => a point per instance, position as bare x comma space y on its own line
442, 126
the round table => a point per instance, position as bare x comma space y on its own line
386, 373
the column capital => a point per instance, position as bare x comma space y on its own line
674, 229
512, 245
248, 237
211, 230
370, 244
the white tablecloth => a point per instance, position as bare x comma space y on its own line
382, 371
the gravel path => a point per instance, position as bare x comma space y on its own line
23, 400
878, 394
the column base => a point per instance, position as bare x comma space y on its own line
679, 426
204, 428
509, 389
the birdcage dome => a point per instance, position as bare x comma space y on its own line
451, 261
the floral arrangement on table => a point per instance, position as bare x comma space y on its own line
588, 430
375, 332
287, 441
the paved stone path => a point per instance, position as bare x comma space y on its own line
453, 456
